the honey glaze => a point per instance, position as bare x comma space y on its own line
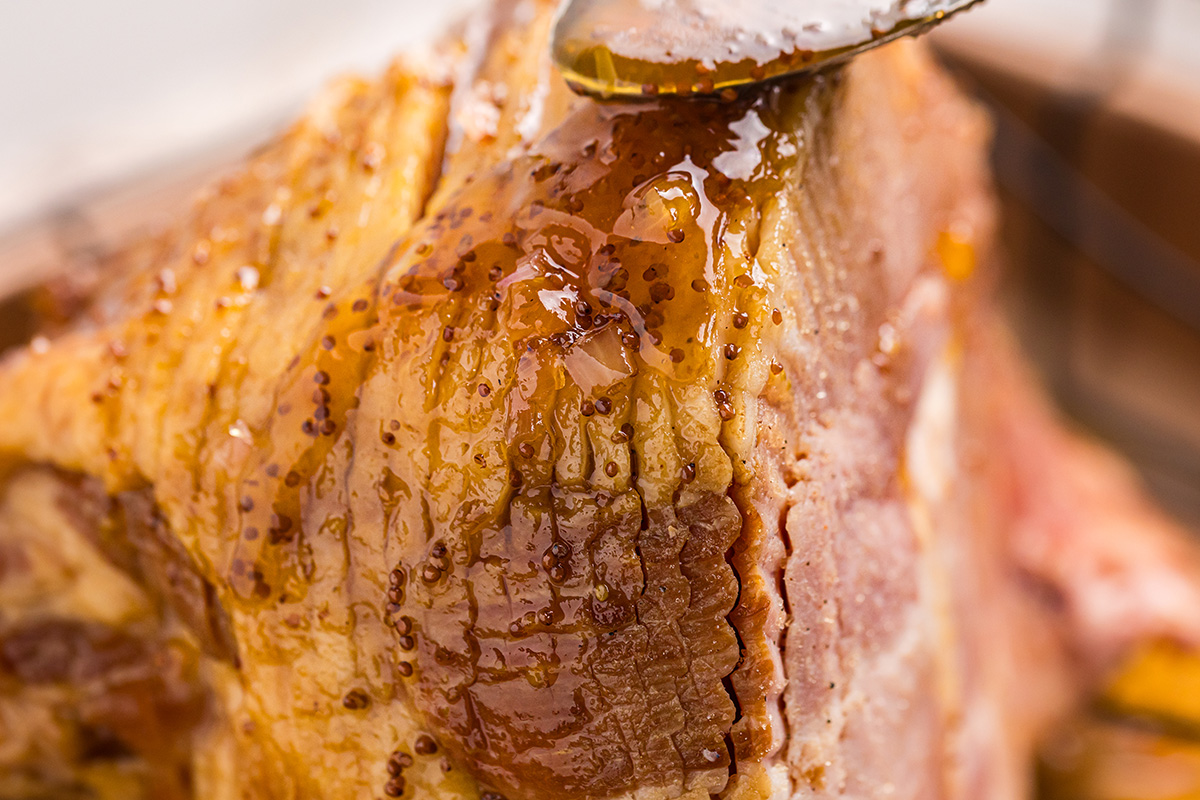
648, 47
560, 344
625, 219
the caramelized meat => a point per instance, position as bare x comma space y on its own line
482, 440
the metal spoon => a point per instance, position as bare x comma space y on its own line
637, 48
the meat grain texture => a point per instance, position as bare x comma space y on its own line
480, 440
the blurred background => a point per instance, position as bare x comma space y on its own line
113, 114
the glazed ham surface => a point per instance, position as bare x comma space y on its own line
480, 440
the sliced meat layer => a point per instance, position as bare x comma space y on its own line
99, 697
487, 440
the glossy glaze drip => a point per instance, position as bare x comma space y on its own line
316, 396
570, 319
648, 47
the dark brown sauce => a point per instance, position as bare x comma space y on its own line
614, 48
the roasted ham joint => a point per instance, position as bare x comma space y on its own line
481, 440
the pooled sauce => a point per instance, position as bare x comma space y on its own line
577, 319
649, 47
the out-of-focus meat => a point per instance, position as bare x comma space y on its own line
98, 696
481, 439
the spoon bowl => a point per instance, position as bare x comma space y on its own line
641, 48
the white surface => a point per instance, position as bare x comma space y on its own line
1078, 29
93, 91
1090, 46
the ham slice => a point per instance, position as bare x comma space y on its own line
480, 440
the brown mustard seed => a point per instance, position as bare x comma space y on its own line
356, 700
777, 316
610, 469
740, 319
430, 573
394, 787
525, 449
425, 745
604, 405
732, 351
661, 291
405, 669
688, 473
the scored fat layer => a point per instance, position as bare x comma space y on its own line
567, 347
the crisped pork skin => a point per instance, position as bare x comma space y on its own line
481, 440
